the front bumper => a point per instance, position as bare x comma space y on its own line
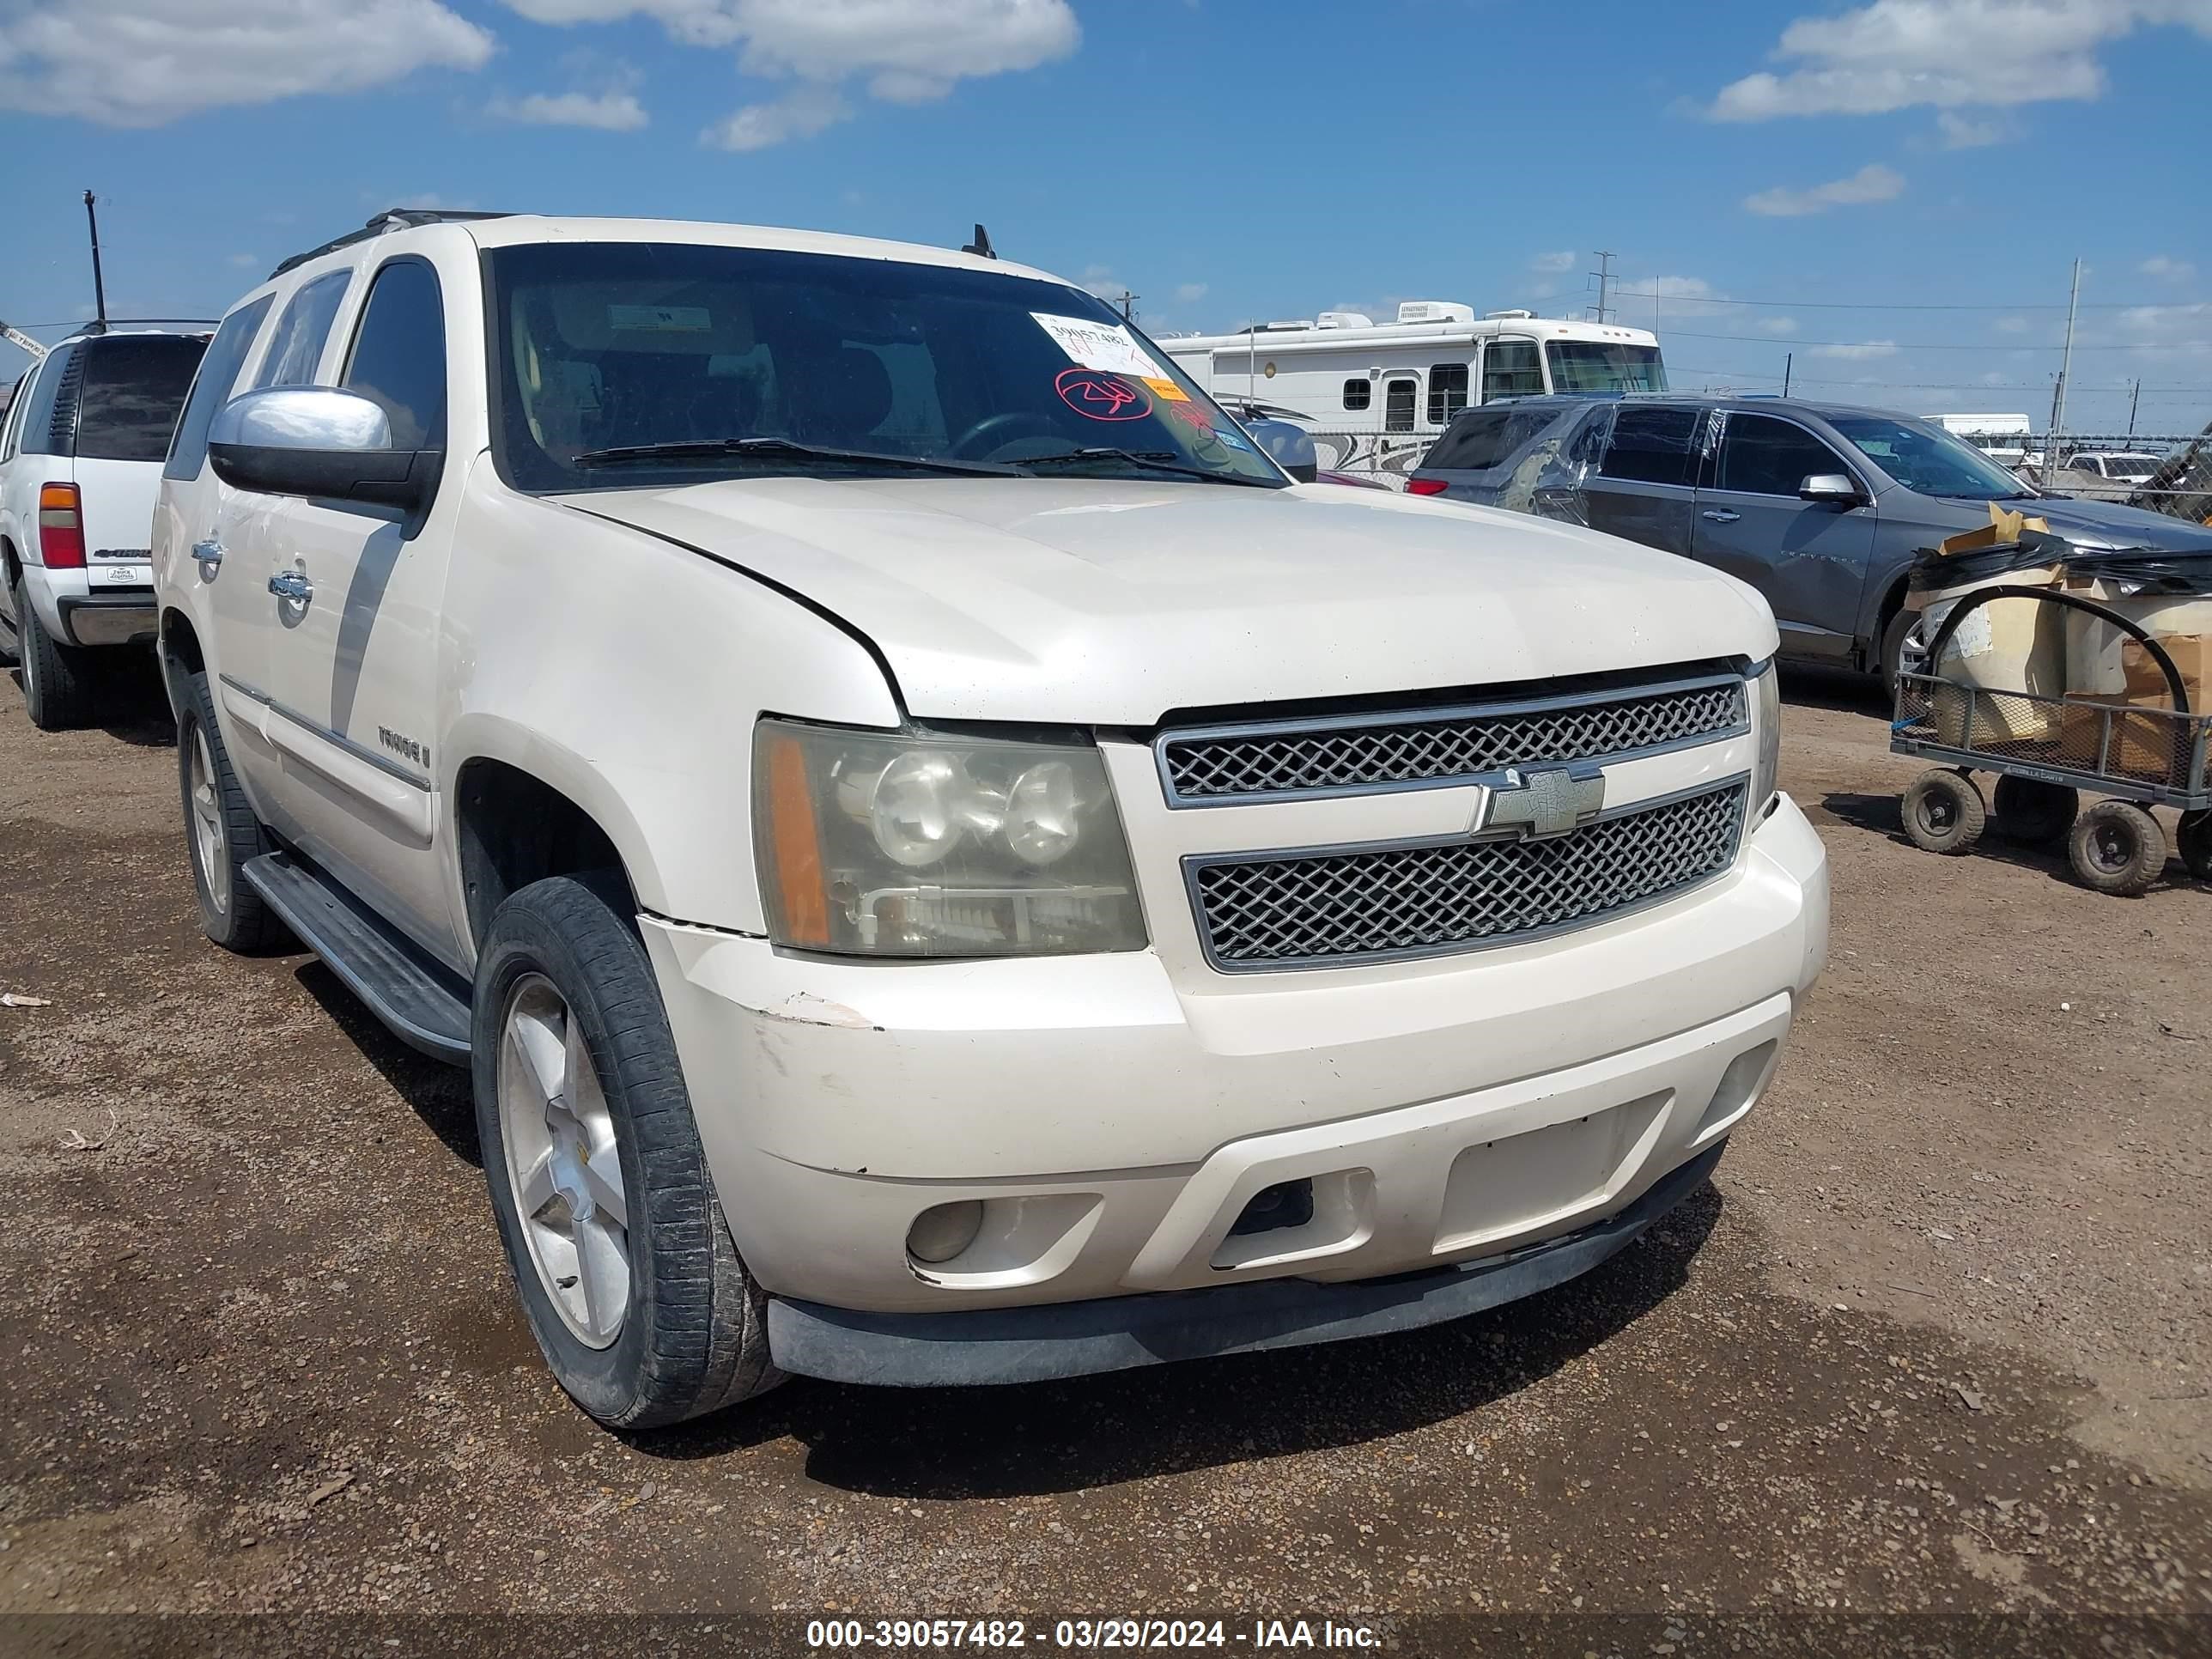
1079, 1339
1114, 1117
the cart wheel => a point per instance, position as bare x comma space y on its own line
2030, 809
1944, 811
2195, 843
2117, 847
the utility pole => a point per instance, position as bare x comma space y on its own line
1789, 358
99, 287
2134, 397
1604, 275
2065, 367
1127, 301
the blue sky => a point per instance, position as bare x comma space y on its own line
1226, 160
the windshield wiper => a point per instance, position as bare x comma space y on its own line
685, 449
1152, 460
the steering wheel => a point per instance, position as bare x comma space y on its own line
1001, 429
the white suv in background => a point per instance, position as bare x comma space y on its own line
80, 455
947, 865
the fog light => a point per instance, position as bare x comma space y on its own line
940, 1234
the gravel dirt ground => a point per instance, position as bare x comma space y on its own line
1934, 1353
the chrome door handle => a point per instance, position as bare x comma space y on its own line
1720, 515
292, 584
208, 555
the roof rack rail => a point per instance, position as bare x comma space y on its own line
382, 224
103, 325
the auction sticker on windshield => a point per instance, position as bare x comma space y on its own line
1107, 346
1097, 396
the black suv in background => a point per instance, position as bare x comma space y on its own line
1822, 507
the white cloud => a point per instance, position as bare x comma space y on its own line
2011, 325
1649, 301
607, 102
1962, 132
1894, 54
140, 63
1553, 264
243, 261
1859, 350
1189, 293
1871, 183
904, 51
799, 114
2169, 270
1777, 325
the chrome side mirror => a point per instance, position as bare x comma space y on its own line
321, 443
1829, 488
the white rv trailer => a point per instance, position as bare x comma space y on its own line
2002, 438
1376, 396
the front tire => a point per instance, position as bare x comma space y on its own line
2194, 844
620, 1255
2117, 847
222, 832
56, 678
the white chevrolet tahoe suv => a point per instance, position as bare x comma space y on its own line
81, 452
946, 866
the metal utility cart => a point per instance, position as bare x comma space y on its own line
2043, 752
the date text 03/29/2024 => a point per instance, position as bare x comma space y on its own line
1123, 1635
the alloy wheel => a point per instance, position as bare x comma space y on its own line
558, 1137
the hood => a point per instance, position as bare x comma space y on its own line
2091, 526
1112, 603
2110, 524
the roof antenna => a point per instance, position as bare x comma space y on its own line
982, 245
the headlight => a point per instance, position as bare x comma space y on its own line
912, 845
1767, 730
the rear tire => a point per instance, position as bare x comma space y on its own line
2194, 844
2032, 810
620, 1255
1944, 812
221, 830
2117, 847
56, 678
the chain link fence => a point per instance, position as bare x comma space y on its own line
2165, 474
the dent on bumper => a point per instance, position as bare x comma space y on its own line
1036, 1344
1113, 1123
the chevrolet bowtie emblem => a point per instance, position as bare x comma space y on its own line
1549, 802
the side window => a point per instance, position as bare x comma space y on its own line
211, 387
1652, 446
13, 423
1510, 369
398, 355
1762, 456
1482, 438
37, 436
1446, 392
1398, 405
302, 327
1358, 392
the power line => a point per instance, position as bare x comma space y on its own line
1792, 342
1894, 305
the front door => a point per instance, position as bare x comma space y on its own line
1809, 558
352, 658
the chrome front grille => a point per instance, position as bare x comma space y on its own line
1421, 748
1351, 905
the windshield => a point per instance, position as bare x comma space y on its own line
134, 385
1604, 366
611, 351
1928, 459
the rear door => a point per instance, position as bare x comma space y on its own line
1645, 489
1809, 558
